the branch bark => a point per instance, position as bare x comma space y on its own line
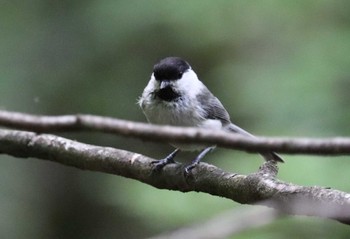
257, 188
46, 124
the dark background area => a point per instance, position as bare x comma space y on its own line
281, 68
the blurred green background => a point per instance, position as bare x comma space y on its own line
281, 68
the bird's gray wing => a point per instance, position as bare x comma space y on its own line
213, 109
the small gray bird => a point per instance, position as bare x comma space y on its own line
175, 96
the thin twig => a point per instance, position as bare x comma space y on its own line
46, 124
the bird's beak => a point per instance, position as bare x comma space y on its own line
164, 84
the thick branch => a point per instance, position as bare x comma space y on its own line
256, 188
335, 146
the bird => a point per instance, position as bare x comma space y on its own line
175, 96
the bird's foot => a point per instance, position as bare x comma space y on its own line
188, 169
197, 160
160, 164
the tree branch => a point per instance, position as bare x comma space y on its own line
40, 124
256, 188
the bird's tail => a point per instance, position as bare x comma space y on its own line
267, 156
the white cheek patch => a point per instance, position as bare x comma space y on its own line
190, 84
149, 89
151, 86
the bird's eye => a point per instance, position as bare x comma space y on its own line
179, 75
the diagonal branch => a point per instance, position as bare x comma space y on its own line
45, 124
257, 188
224, 225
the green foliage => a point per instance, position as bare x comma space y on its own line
280, 67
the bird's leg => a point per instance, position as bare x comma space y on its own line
198, 159
159, 164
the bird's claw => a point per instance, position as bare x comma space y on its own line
188, 169
160, 164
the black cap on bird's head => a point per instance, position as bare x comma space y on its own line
170, 68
